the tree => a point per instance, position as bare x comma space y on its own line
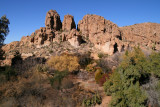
4, 29
125, 83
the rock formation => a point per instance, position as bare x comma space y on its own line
68, 23
53, 20
73, 37
99, 35
104, 34
147, 35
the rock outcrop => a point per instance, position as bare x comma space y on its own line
146, 35
98, 34
53, 20
104, 34
51, 33
68, 23
73, 37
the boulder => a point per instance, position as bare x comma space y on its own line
68, 23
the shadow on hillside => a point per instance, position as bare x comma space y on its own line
22, 66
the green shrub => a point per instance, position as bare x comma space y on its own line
56, 80
89, 102
125, 83
154, 62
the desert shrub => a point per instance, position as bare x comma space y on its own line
84, 60
9, 73
91, 68
101, 55
125, 83
25, 65
98, 75
152, 87
24, 88
104, 64
17, 59
41, 68
92, 101
64, 63
56, 80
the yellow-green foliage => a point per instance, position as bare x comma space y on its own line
64, 63
98, 74
90, 68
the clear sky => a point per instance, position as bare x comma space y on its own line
28, 15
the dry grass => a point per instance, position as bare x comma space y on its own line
27, 90
64, 63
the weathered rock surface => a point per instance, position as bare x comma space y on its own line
144, 34
53, 20
10, 46
68, 23
74, 38
97, 34
104, 34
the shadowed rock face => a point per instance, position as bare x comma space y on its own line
68, 23
53, 20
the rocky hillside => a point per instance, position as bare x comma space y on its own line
93, 34
147, 35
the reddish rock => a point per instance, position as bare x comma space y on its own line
10, 46
73, 37
147, 35
101, 32
53, 20
68, 23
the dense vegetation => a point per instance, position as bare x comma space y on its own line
127, 83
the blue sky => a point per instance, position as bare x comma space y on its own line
28, 15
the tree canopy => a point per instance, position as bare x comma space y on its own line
136, 81
4, 29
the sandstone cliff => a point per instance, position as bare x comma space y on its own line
94, 34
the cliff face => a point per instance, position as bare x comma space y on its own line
147, 35
104, 34
93, 33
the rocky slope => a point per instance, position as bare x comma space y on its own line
93, 34
147, 35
